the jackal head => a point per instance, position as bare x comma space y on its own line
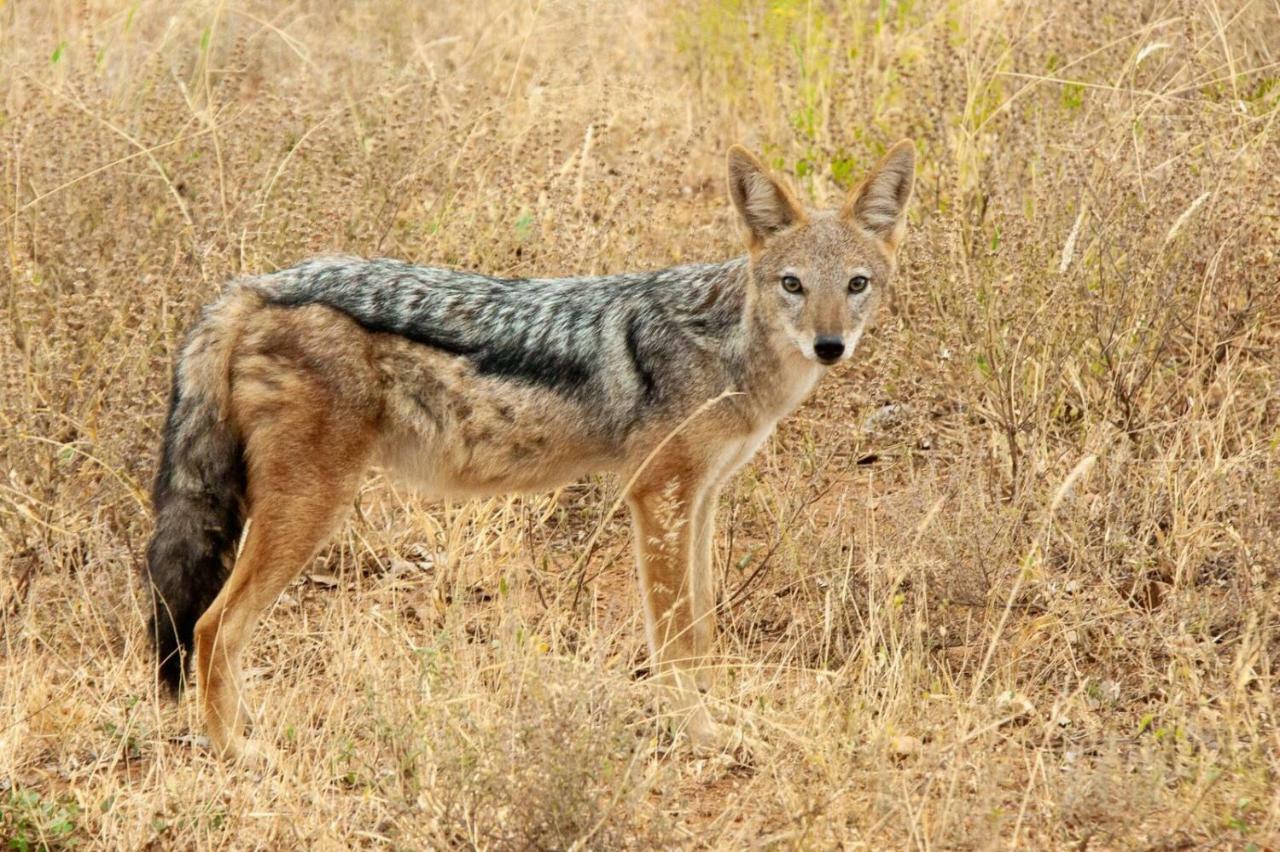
819, 274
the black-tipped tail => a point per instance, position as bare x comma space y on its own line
199, 506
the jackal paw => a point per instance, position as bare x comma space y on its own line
252, 754
712, 739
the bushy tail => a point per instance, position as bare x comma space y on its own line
198, 497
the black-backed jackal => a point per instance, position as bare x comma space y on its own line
293, 384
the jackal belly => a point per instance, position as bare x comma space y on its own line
464, 465
451, 432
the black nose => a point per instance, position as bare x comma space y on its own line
828, 349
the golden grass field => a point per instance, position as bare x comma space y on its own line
1010, 579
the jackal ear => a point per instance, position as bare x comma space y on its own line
879, 203
764, 202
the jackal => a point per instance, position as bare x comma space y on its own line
294, 383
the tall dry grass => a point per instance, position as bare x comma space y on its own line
1009, 579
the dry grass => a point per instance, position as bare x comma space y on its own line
1012, 578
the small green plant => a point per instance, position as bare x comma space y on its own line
29, 820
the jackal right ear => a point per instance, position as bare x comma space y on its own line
765, 204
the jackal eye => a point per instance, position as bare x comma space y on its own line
792, 284
858, 283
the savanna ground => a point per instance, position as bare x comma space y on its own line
1011, 578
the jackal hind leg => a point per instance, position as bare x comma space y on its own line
304, 465
664, 510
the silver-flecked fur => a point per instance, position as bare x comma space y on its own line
619, 343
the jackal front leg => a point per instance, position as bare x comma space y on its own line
702, 584
670, 550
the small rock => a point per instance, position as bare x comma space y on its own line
1015, 705
904, 745
886, 416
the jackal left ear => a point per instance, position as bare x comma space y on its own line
764, 203
879, 204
